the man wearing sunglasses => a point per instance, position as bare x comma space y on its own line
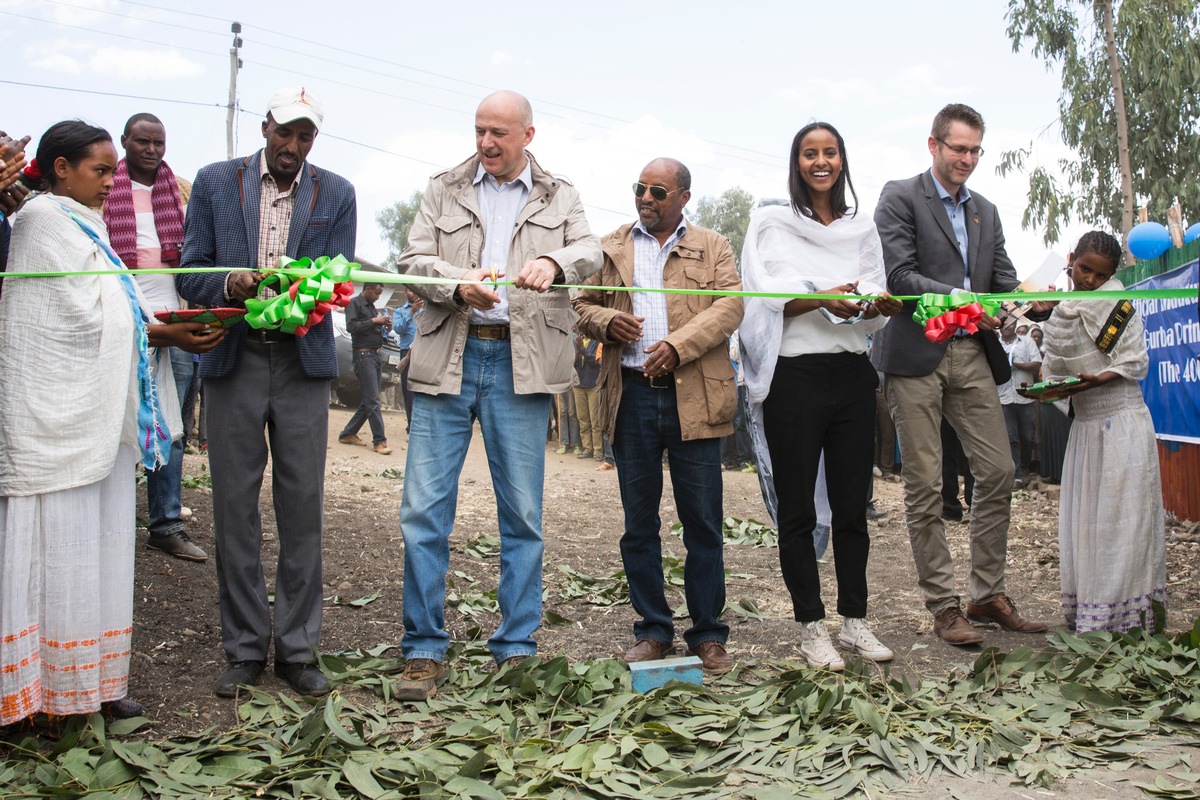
490, 353
667, 384
939, 237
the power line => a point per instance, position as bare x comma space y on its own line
774, 163
108, 33
177, 101
175, 11
114, 94
93, 10
539, 101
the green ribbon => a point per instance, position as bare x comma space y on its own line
360, 275
307, 290
931, 305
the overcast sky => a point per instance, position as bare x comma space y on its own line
723, 86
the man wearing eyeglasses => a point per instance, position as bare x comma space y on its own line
490, 353
940, 237
666, 383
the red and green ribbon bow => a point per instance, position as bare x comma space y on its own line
945, 315
307, 289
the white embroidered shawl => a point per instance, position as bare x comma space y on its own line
67, 353
1069, 337
809, 253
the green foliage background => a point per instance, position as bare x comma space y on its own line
1158, 44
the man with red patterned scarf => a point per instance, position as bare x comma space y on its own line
144, 215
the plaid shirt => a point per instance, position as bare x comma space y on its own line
274, 218
222, 229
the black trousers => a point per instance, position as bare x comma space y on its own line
821, 402
954, 463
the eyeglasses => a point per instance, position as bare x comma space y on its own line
657, 192
959, 150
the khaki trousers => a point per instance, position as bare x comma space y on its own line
962, 389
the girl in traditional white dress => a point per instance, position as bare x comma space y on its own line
1110, 529
79, 408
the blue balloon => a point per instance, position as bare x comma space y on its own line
1192, 233
1149, 240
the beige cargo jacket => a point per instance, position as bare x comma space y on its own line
700, 327
446, 241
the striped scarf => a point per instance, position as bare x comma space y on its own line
122, 221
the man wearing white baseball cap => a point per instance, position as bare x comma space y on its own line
268, 390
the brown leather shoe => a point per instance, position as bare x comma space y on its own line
1004, 613
712, 656
952, 628
420, 679
649, 650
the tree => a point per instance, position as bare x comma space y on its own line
395, 222
1128, 110
728, 214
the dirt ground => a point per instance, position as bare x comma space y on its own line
177, 651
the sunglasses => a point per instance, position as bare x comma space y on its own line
657, 192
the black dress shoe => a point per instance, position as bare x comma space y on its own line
307, 679
952, 514
239, 673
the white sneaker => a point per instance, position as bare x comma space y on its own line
857, 637
817, 648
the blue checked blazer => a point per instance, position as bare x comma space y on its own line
221, 229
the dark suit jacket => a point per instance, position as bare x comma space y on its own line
221, 229
920, 255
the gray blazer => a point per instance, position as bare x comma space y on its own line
920, 255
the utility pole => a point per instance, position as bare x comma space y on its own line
235, 64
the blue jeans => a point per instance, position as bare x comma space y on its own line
163, 485
514, 436
368, 368
647, 424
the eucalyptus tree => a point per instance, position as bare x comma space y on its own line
1128, 110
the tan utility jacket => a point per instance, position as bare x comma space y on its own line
446, 241
700, 327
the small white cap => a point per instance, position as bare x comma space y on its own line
291, 104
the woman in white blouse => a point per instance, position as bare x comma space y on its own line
810, 383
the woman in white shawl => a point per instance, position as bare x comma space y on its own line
79, 408
809, 382
1110, 519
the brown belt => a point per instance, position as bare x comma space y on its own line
658, 382
488, 331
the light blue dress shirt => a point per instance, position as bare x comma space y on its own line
957, 211
499, 205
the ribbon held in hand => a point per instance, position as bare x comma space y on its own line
307, 288
945, 315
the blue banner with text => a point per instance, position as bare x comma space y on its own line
1172, 387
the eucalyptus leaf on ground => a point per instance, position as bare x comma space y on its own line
555, 729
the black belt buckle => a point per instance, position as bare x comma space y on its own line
658, 382
265, 336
